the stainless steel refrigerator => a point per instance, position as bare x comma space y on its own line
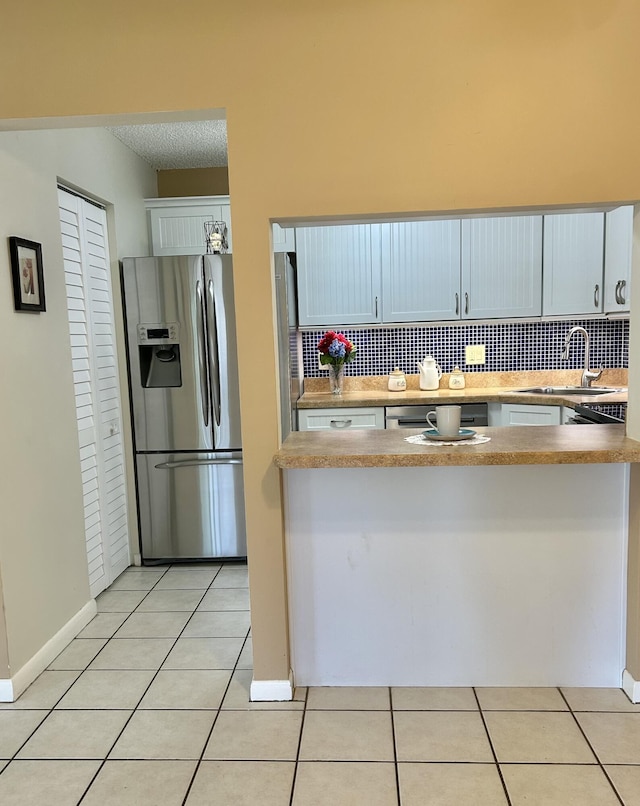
289, 340
183, 379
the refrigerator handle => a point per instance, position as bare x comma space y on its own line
196, 462
214, 357
201, 353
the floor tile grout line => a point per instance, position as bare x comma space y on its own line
395, 749
135, 709
596, 756
297, 759
53, 708
215, 720
493, 751
82, 671
126, 619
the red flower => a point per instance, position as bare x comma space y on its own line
325, 341
329, 338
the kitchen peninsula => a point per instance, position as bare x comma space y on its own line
500, 564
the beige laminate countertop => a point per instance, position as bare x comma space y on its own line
412, 397
497, 387
516, 445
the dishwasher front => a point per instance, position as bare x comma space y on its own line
472, 414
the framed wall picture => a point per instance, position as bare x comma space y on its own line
27, 273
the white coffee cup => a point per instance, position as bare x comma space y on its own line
447, 420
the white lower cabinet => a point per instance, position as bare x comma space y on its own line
527, 414
338, 418
566, 415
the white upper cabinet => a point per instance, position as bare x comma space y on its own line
618, 228
501, 267
573, 264
478, 268
339, 275
420, 271
177, 225
284, 239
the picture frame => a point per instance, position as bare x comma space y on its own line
28, 275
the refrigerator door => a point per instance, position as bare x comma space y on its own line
191, 506
222, 352
165, 311
289, 342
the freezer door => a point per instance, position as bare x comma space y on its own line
168, 376
191, 506
222, 352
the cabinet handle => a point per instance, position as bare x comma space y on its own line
596, 296
340, 423
376, 307
466, 303
617, 292
457, 304
622, 299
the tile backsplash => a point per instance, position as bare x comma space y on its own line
510, 346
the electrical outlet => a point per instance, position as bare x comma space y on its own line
475, 354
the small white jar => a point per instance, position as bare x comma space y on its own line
456, 379
397, 381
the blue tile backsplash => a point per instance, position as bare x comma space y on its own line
510, 346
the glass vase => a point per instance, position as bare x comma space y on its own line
336, 378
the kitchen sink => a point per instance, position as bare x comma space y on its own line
569, 390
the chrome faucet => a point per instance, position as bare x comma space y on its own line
587, 374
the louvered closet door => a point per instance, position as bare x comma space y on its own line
97, 393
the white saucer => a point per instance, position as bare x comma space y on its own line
464, 433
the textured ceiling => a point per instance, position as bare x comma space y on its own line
197, 144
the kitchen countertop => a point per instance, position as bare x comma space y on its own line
480, 388
412, 397
516, 445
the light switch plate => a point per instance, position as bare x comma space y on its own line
475, 354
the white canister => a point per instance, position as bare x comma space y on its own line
397, 381
456, 379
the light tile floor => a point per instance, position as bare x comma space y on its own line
150, 705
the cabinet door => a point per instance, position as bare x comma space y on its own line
523, 414
618, 240
338, 275
420, 271
284, 239
573, 263
501, 267
180, 230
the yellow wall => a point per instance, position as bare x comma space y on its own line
194, 182
342, 108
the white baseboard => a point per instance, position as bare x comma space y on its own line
12, 688
6, 691
272, 690
630, 686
